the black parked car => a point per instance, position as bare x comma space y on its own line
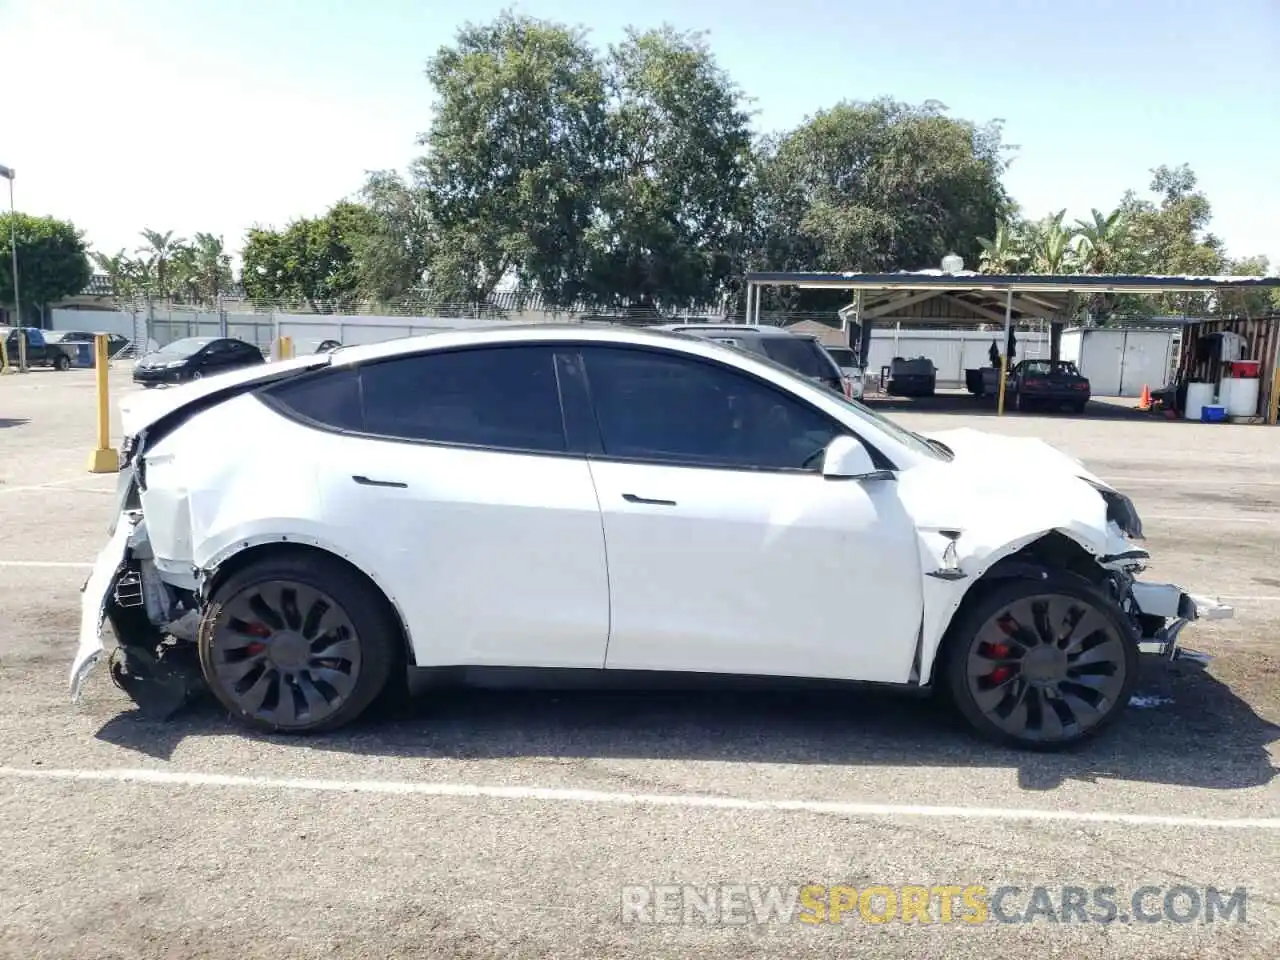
115, 342
1048, 383
194, 357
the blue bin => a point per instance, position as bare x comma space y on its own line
83, 355
1212, 414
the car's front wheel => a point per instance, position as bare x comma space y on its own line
297, 644
1041, 664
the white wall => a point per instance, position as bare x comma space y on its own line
92, 321
952, 351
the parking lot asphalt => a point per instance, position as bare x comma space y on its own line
512, 824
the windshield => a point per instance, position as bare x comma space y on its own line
801, 354
1045, 368
184, 347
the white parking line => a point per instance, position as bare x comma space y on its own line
166, 778
48, 564
1210, 518
1234, 480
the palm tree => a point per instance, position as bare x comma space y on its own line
1102, 239
1002, 253
1052, 245
123, 272
160, 249
211, 267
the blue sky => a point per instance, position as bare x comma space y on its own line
218, 114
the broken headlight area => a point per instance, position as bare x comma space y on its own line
1120, 510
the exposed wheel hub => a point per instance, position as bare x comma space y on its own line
1044, 666
288, 650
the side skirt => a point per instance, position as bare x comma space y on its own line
567, 678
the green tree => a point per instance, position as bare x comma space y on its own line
883, 186
311, 262
514, 155
52, 261
674, 193
393, 256
1170, 236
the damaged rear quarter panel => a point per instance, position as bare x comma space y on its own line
994, 524
203, 507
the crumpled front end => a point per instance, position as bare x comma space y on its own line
139, 624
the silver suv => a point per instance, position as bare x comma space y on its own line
800, 352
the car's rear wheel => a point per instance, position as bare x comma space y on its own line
62, 363
1041, 664
297, 645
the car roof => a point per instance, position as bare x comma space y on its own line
736, 329
505, 332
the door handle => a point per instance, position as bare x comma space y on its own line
366, 482
632, 498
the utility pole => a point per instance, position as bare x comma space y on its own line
8, 173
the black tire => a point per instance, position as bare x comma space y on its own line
197, 375
62, 362
1079, 405
1052, 720
371, 647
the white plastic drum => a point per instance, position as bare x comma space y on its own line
1240, 396
1199, 395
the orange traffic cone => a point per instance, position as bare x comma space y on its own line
1144, 402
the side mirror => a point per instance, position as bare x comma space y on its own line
847, 459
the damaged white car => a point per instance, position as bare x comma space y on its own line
533, 504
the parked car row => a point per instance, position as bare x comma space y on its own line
40, 352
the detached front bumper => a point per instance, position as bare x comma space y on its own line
1176, 608
93, 604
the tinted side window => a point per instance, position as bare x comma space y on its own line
666, 407
503, 397
330, 398
801, 354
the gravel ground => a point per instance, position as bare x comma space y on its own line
504, 824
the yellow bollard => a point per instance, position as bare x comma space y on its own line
104, 458
286, 348
1004, 373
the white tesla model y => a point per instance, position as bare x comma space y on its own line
618, 503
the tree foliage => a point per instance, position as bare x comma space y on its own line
881, 186
52, 261
514, 156
312, 262
628, 179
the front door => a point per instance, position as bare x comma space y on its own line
728, 551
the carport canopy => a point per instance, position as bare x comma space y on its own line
966, 298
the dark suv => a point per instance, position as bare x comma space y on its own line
800, 352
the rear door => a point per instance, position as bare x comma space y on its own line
452, 472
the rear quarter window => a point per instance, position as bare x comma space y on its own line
330, 398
